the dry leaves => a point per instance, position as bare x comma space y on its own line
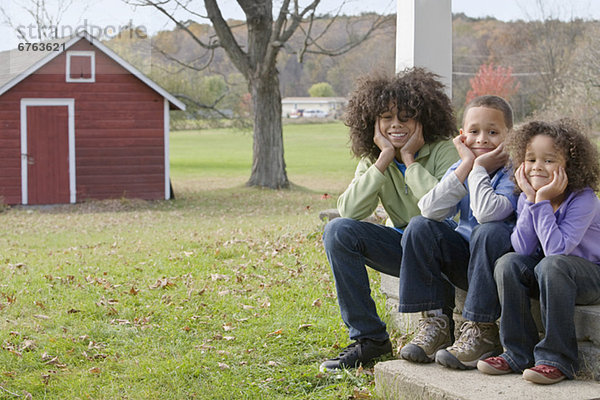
163, 283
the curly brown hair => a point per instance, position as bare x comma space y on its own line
570, 139
416, 92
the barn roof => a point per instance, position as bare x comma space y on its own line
16, 65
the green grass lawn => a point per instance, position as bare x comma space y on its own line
317, 157
223, 293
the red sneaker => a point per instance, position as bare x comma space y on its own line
494, 366
543, 374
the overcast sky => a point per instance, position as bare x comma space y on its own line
109, 15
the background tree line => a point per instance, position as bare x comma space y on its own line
554, 64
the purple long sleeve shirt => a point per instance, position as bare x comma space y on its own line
574, 229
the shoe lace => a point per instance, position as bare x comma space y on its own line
470, 336
545, 369
351, 348
428, 329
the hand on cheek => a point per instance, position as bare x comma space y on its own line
524, 184
465, 154
493, 160
555, 188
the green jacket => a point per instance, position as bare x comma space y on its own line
398, 194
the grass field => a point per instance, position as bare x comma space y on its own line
317, 157
223, 293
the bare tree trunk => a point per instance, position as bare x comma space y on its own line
268, 164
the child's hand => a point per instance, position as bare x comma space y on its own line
465, 153
493, 160
388, 152
555, 188
413, 145
467, 157
524, 183
381, 141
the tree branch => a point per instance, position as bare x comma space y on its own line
158, 5
184, 64
228, 42
203, 106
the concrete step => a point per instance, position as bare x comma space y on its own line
587, 318
399, 379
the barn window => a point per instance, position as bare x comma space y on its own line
81, 66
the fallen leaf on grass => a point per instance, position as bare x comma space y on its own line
317, 303
133, 291
95, 370
273, 364
40, 316
266, 304
28, 345
219, 277
53, 361
305, 326
223, 366
46, 377
162, 284
361, 394
277, 332
228, 327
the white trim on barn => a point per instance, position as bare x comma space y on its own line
75, 53
167, 161
70, 104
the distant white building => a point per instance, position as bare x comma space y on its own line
294, 107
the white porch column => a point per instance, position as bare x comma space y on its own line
424, 37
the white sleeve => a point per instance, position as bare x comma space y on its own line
441, 201
486, 204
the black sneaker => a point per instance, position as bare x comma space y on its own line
362, 351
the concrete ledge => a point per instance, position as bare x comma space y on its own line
587, 324
402, 380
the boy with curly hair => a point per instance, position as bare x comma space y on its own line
400, 128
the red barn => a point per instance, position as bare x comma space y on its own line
78, 122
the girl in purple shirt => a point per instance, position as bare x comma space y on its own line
556, 258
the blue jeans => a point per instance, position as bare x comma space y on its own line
560, 282
350, 245
435, 253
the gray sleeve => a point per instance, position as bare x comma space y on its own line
486, 204
441, 201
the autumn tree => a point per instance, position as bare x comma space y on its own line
497, 80
256, 60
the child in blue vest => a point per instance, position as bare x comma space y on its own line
436, 249
557, 251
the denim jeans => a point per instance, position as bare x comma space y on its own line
350, 245
561, 282
435, 253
